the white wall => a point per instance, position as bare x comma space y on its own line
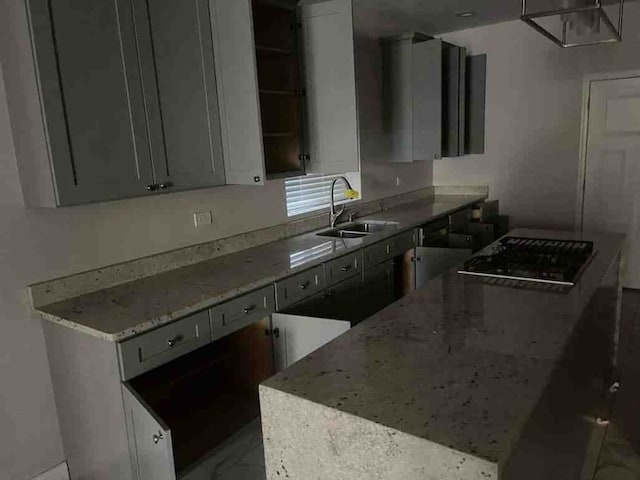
534, 96
40, 244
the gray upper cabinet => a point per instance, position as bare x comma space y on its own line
177, 59
413, 90
434, 98
128, 96
238, 91
92, 100
329, 63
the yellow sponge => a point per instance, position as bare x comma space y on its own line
352, 194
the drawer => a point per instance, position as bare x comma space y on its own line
298, 287
377, 253
342, 268
404, 242
155, 348
483, 234
236, 314
448, 240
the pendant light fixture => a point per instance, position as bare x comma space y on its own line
572, 23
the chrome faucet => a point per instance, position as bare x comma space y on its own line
335, 215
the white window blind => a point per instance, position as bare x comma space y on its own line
312, 192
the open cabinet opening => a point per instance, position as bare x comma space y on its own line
207, 395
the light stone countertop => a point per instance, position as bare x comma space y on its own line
460, 363
126, 310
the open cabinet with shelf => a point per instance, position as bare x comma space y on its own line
279, 87
179, 413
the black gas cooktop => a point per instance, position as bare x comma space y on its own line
533, 259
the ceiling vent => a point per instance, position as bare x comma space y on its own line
572, 23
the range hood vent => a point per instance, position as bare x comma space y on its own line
573, 23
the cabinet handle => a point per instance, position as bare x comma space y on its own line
346, 268
157, 437
257, 179
303, 286
416, 259
164, 186
172, 342
248, 310
276, 332
437, 156
388, 249
152, 188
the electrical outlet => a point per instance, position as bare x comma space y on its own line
201, 219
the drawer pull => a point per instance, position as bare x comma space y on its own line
346, 268
248, 310
388, 249
303, 286
157, 437
172, 342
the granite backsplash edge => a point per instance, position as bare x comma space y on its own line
59, 289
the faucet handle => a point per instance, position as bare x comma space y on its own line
352, 216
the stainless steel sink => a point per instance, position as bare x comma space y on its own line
358, 229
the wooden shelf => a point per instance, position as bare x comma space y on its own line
281, 51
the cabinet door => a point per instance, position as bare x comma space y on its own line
238, 91
178, 67
297, 336
454, 111
378, 291
149, 439
92, 98
476, 103
331, 87
431, 262
427, 100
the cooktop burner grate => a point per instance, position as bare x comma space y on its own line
534, 259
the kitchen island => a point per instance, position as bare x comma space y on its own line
468, 378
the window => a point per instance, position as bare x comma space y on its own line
313, 192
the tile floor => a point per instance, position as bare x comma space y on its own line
243, 457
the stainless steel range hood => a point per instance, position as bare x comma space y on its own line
572, 23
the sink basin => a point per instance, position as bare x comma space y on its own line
358, 229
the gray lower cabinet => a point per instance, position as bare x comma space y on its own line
379, 287
298, 336
150, 443
128, 97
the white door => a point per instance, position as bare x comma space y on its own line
611, 199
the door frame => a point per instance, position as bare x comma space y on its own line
584, 133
